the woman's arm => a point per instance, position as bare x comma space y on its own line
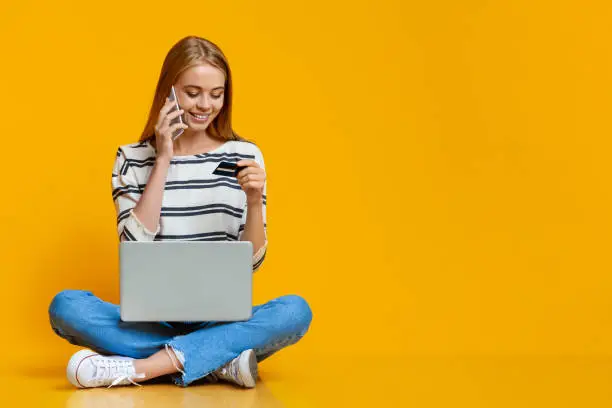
254, 226
148, 209
138, 213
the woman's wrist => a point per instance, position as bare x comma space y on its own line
162, 162
255, 201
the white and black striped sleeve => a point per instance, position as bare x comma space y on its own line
260, 255
126, 193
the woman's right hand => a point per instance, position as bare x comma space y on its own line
163, 131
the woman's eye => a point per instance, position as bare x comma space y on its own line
214, 96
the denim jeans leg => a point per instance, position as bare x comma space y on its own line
264, 352
84, 319
275, 324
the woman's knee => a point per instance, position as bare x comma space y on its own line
296, 312
65, 304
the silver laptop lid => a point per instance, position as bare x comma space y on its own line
186, 280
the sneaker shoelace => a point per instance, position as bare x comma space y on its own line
116, 370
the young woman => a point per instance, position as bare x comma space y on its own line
165, 190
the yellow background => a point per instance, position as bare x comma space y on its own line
438, 172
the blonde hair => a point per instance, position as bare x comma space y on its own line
188, 52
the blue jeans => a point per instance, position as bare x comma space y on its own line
85, 320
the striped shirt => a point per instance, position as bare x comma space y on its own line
196, 206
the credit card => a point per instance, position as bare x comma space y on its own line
228, 169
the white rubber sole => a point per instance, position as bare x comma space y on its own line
73, 366
248, 368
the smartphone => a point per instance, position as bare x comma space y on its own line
179, 118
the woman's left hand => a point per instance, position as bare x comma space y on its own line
252, 180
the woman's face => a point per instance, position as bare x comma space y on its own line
200, 91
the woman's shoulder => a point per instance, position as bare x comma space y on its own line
245, 147
136, 151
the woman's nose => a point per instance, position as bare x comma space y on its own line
204, 103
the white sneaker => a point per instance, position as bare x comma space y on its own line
242, 370
88, 369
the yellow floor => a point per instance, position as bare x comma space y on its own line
296, 380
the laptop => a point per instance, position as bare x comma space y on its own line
185, 281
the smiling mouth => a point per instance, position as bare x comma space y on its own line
199, 117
